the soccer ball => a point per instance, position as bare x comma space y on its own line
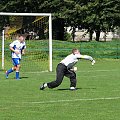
75, 69
93, 62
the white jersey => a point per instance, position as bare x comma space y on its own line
17, 46
72, 59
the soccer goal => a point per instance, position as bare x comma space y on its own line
38, 30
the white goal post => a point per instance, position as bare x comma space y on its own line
31, 14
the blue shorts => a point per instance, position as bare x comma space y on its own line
16, 61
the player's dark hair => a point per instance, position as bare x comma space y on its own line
74, 50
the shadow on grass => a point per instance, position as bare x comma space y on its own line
23, 77
76, 89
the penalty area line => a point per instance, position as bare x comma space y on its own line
74, 100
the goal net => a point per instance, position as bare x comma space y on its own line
38, 30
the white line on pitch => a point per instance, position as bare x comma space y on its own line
99, 70
74, 100
77, 71
37, 72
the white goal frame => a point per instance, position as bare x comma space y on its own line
31, 14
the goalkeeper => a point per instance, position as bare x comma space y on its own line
66, 68
17, 48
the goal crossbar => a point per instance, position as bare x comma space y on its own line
50, 32
25, 14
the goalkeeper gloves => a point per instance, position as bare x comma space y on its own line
74, 69
93, 62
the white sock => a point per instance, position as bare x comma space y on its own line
72, 88
45, 85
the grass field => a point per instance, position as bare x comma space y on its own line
97, 96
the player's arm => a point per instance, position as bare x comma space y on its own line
23, 50
12, 49
87, 57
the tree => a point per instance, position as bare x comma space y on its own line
105, 16
42, 6
93, 15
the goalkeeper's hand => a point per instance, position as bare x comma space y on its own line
93, 62
74, 69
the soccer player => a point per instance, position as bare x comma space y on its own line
17, 48
66, 68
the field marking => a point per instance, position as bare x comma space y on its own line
78, 71
74, 100
92, 76
30, 72
38, 72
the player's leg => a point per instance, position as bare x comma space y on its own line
16, 62
11, 69
60, 70
72, 75
17, 71
59, 77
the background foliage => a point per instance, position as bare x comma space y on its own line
93, 15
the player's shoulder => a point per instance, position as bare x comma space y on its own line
70, 55
15, 41
23, 43
77, 56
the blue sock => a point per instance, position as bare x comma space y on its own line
10, 70
17, 74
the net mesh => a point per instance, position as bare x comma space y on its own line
37, 52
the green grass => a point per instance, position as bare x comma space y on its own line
36, 57
97, 96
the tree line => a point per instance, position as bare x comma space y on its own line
92, 15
